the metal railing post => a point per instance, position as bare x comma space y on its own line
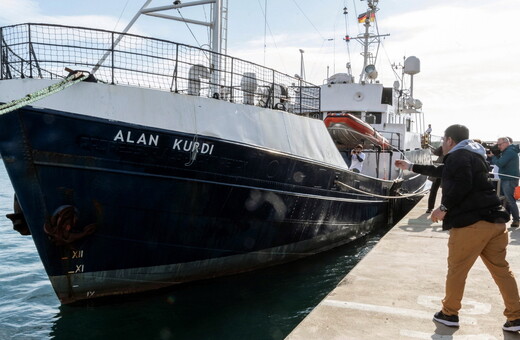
272, 86
319, 99
112, 58
29, 51
176, 72
1, 53
231, 92
301, 94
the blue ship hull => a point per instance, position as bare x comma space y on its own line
116, 208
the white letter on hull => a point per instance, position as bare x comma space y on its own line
142, 139
119, 136
186, 146
154, 140
128, 140
177, 144
206, 148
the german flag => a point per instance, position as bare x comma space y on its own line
363, 17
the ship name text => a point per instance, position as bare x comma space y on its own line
190, 145
142, 139
179, 144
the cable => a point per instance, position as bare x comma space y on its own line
265, 30
188, 26
420, 193
120, 15
309, 20
511, 176
272, 37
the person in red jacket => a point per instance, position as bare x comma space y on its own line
470, 209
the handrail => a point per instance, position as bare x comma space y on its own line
43, 50
420, 193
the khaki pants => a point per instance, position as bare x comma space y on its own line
489, 241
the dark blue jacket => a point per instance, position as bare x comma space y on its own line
508, 163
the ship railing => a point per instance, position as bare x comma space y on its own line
393, 138
44, 50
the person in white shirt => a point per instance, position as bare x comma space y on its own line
357, 158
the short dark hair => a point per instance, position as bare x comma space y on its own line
457, 132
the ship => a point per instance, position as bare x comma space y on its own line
140, 163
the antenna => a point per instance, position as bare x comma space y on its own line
366, 39
302, 65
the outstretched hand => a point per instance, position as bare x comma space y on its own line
402, 164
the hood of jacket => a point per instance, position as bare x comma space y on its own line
515, 148
470, 145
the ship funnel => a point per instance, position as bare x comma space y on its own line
248, 85
195, 74
371, 72
412, 65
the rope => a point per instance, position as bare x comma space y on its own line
45, 92
492, 173
420, 193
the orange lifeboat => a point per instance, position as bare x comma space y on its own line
347, 130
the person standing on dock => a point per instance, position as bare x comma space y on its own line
508, 165
436, 182
472, 212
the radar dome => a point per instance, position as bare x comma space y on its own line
412, 65
340, 78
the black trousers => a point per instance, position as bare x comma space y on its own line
433, 193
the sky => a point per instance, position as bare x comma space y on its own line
469, 50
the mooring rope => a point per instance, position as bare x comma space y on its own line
72, 79
420, 193
500, 174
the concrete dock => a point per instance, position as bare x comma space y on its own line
394, 291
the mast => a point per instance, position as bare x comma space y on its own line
217, 25
366, 39
369, 13
216, 45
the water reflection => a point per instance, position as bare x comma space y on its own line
265, 304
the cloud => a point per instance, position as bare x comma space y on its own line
24, 11
468, 51
468, 64
18, 11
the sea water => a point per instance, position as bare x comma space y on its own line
266, 304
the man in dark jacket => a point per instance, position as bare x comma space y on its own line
472, 212
508, 169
